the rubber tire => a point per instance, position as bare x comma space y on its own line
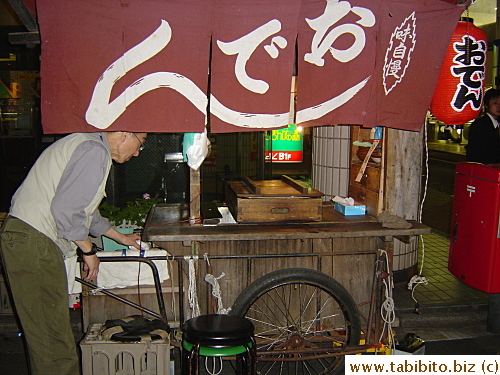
309, 277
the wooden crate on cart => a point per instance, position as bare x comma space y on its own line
284, 200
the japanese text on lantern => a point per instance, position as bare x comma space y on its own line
468, 66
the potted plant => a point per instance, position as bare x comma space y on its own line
133, 215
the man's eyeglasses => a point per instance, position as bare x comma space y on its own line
143, 144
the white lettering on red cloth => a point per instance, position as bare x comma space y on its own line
169, 66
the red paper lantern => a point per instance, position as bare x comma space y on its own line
459, 92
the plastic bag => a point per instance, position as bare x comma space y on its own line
196, 147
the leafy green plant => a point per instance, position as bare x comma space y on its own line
134, 213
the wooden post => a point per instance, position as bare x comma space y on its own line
403, 180
194, 193
403, 173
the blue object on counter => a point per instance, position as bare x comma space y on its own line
357, 209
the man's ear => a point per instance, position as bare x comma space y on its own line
124, 136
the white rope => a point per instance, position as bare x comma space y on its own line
419, 279
216, 292
426, 181
192, 295
220, 310
173, 307
387, 309
96, 290
415, 281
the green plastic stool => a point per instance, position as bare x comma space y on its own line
218, 335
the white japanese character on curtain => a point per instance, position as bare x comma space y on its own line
322, 42
245, 46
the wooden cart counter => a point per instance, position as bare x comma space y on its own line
345, 248
167, 223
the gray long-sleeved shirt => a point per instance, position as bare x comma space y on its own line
78, 185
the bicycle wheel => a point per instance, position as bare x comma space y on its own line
302, 318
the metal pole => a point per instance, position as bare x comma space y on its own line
121, 299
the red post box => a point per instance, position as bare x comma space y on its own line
475, 234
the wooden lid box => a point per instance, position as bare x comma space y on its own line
273, 201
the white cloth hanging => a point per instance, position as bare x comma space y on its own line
124, 274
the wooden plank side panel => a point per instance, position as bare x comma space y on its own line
282, 247
358, 281
235, 271
353, 271
240, 272
404, 170
355, 245
263, 266
348, 260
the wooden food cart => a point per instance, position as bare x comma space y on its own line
353, 250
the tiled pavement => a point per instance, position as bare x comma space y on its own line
448, 308
442, 289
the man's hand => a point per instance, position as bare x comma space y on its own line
124, 239
91, 265
130, 240
91, 262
